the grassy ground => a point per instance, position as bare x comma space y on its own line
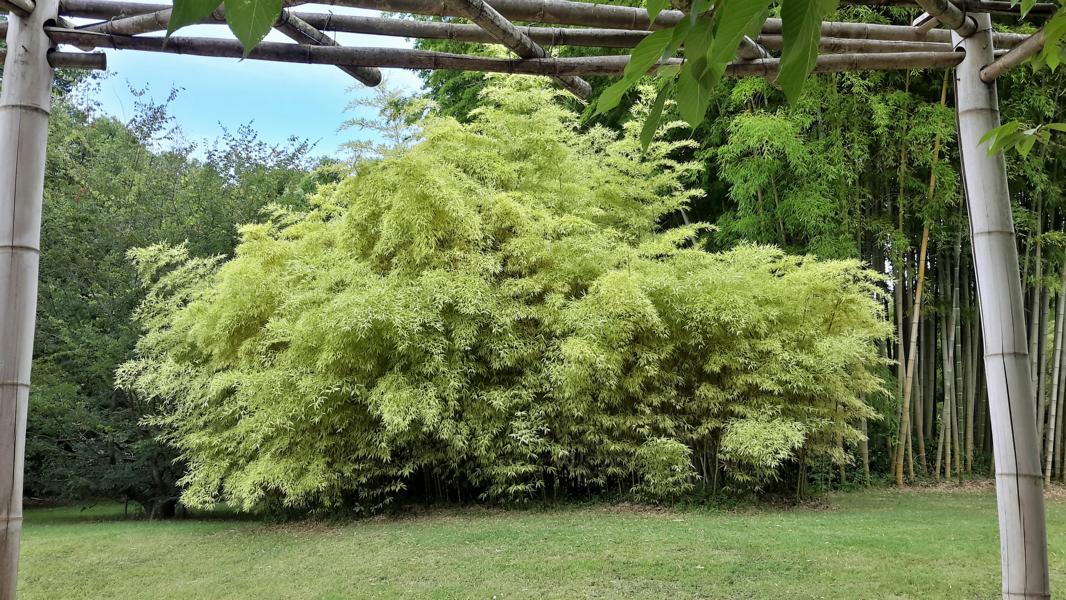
876, 544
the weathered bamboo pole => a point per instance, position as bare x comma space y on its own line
301, 32
96, 61
288, 24
560, 12
1015, 57
22, 8
950, 16
1020, 499
550, 36
503, 31
404, 58
25, 102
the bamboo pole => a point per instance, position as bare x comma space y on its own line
301, 32
912, 359
549, 36
507, 34
950, 16
96, 61
22, 8
25, 102
404, 58
1019, 54
1020, 499
1056, 361
560, 12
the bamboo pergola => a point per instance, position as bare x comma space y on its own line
951, 34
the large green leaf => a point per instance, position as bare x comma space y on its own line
736, 19
693, 96
187, 12
251, 20
651, 123
656, 6
801, 30
648, 52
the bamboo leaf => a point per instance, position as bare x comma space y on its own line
251, 20
801, 30
187, 12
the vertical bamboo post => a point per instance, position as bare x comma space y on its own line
1019, 489
25, 102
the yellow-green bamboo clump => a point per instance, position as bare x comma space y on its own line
497, 312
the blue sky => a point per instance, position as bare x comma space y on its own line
279, 99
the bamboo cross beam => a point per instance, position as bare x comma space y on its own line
1015, 57
559, 12
950, 16
96, 61
550, 36
288, 24
300, 31
22, 8
403, 58
135, 24
496, 25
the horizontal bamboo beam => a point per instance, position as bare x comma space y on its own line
288, 24
560, 12
404, 58
503, 31
22, 8
301, 32
96, 61
950, 16
1015, 57
549, 36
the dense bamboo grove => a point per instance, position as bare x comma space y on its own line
865, 165
495, 313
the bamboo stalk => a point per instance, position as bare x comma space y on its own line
549, 36
420, 59
1056, 361
912, 358
1019, 54
25, 102
22, 8
507, 34
560, 12
96, 61
300, 31
950, 16
1019, 489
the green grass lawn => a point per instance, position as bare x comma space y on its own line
876, 544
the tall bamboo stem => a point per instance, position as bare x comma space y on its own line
25, 102
1019, 490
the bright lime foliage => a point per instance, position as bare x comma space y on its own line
496, 310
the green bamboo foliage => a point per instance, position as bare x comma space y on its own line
496, 312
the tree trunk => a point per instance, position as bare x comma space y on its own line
1019, 493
